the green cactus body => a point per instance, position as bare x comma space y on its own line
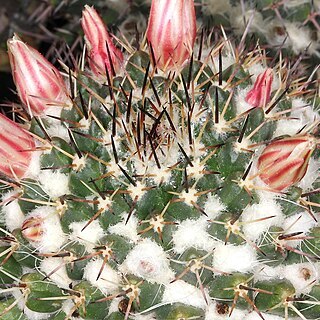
147, 201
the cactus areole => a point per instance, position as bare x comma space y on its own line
179, 180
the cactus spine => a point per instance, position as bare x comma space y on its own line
186, 190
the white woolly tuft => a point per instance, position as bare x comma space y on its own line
286, 127
89, 236
311, 175
17, 294
302, 276
197, 147
34, 166
254, 316
12, 213
53, 237
301, 115
212, 313
32, 315
67, 306
241, 103
137, 191
109, 280
300, 222
254, 70
148, 261
303, 111
160, 175
239, 18
213, 206
196, 171
243, 145
265, 208
57, 130
59, 276
296, 37
231, 258
114, 305
211, 7
299, 38
128, 230
54, 183
150, 316
265, 272
180, 291
258, 68
182, 239
227, 61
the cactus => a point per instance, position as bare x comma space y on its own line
163, 186
290, 25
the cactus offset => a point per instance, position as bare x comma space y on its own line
181, 190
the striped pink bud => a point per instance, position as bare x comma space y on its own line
171, 31
260, 94
39, 83
16, 146
284, 162
103, 54
32, 229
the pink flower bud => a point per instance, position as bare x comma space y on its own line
15, 148
32, 229
102, 52
284, 162
259, 95
39, 83
171, 31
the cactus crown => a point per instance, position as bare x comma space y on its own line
188, 191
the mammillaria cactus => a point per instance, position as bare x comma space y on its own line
287, 24
165, 187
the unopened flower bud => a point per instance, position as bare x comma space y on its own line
259, 95
171, 31
32, 229
103, 54
39, 83
284, 162
16, 147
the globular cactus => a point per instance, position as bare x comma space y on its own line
291, 25
173, 179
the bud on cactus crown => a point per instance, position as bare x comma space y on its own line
169, 179
38, 82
